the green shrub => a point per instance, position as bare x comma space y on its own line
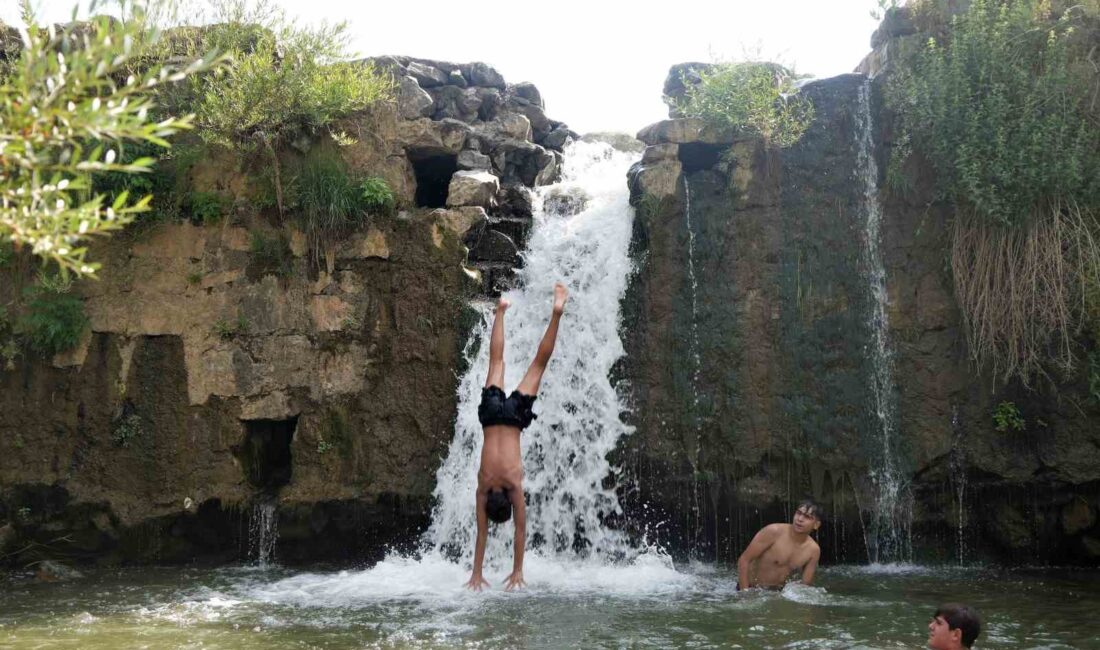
377, 196
228, 329
52, 321
1003, 106
207, 208
128, 429
1006, 417
750, 98
329, 203
286, 80
271, 254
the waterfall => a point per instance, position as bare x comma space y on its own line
567, 473
263, 531
889, 539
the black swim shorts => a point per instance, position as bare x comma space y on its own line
514, 410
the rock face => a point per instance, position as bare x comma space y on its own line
463, 121
210, 380
749, 374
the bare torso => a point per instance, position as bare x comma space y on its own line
783, 557
501, 465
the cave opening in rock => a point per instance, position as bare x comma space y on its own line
265, 453
697, 156
433, 177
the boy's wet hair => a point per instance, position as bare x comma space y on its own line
498, 506
812, 508
961, 617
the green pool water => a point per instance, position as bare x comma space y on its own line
420, 604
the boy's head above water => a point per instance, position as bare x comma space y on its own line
808, 517
498, 506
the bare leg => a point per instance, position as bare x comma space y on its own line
531, 380
496, 348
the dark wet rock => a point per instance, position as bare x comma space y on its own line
455, 78
427, 76
528, 91
559, 137
516, 201
491, 101
565, 202
494, 246
52, 571
524, 162
482, 74
455, 103
680, 77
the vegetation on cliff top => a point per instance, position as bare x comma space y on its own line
1002, 100
749, 97
66, 103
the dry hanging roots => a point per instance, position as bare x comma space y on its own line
1024, 291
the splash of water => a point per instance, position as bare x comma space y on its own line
891, 521
957, 476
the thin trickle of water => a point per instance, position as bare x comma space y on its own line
891, 521
957, 475
565, 451
693, 424
263, 532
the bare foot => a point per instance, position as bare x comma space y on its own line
560, 294
503, 305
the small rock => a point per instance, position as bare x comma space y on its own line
658, 152
50, 571
455, 78
516, 201
491, 101
558, 138
494, 246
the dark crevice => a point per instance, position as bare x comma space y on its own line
433, 177
265, 452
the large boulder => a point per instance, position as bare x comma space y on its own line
515, 201
528, 91
540, 124
685, 129
483, 74
475, 160
559, 137
511, 125
524, 162
413, 101
473, 188
455, 103
491, 101
432, 137
494, 246
658, 180
427, 76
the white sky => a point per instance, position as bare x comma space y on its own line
600, 64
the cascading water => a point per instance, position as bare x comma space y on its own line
263, 531
570, 548
889, 538
564, 451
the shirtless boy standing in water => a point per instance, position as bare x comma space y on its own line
779, 549
500, 479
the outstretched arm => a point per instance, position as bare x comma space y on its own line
519, 516
811, 567
476, 582
763, 540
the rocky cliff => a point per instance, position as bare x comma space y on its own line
750, 364
213, 379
